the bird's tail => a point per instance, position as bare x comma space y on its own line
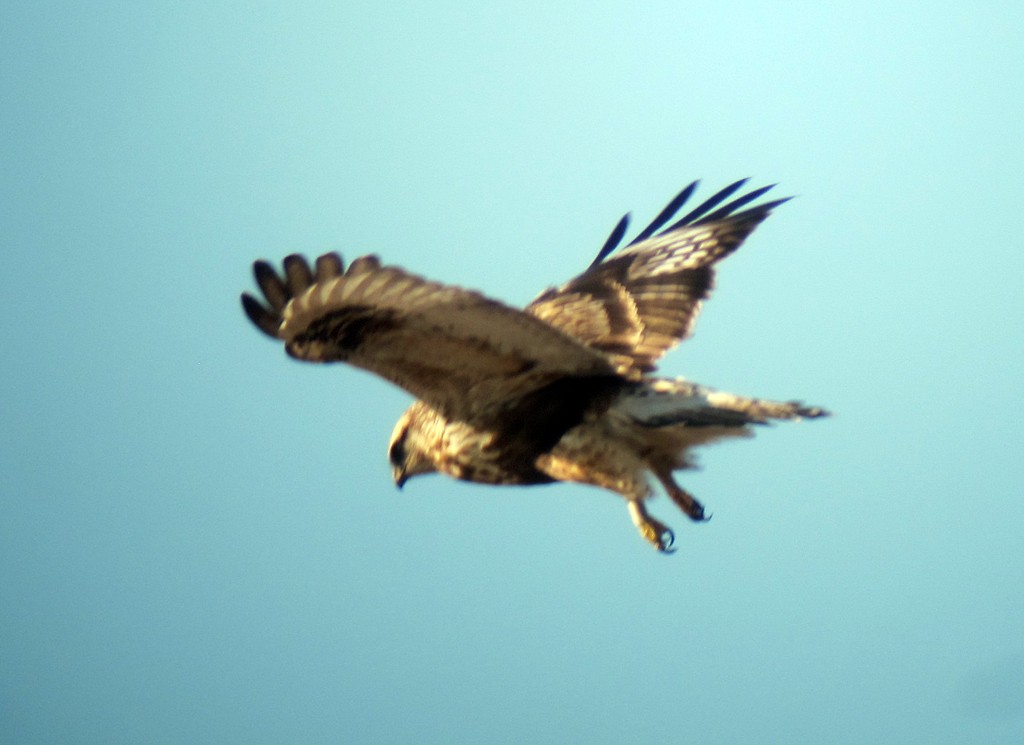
669, 403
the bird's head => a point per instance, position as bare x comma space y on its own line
409, 448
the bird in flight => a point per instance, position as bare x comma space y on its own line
562, 390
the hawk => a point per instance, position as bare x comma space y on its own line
562, 390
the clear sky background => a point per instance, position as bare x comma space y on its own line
199, 538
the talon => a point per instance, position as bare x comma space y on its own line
682, 498
696, 512
666, 540
653, 531
658, 535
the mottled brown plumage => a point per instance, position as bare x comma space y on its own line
559, 391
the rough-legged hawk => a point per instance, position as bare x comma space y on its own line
559, 391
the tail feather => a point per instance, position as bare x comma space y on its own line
666, 403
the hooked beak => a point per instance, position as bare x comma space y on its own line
399, 476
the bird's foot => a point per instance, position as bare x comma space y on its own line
684, 500
653, 531
696, 512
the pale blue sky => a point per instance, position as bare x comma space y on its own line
200, 541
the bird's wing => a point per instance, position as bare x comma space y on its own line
637, 304
460, 352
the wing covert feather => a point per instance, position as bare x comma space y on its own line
456, 349
637, 304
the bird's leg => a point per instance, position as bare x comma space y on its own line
683, 499
653, 531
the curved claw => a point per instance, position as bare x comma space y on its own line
685, 501
653, 531
665, 541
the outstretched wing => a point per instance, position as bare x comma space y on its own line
644, 300
462, 353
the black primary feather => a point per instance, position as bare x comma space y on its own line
666, 214
703, 214
709, 203
273, 288
734, 205
612, 242
297, 274
329, 266
263, 319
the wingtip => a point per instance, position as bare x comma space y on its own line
260, 315
613, 240
667, 212
329, 266
298, 275
262, 269
813, 412
700, 213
